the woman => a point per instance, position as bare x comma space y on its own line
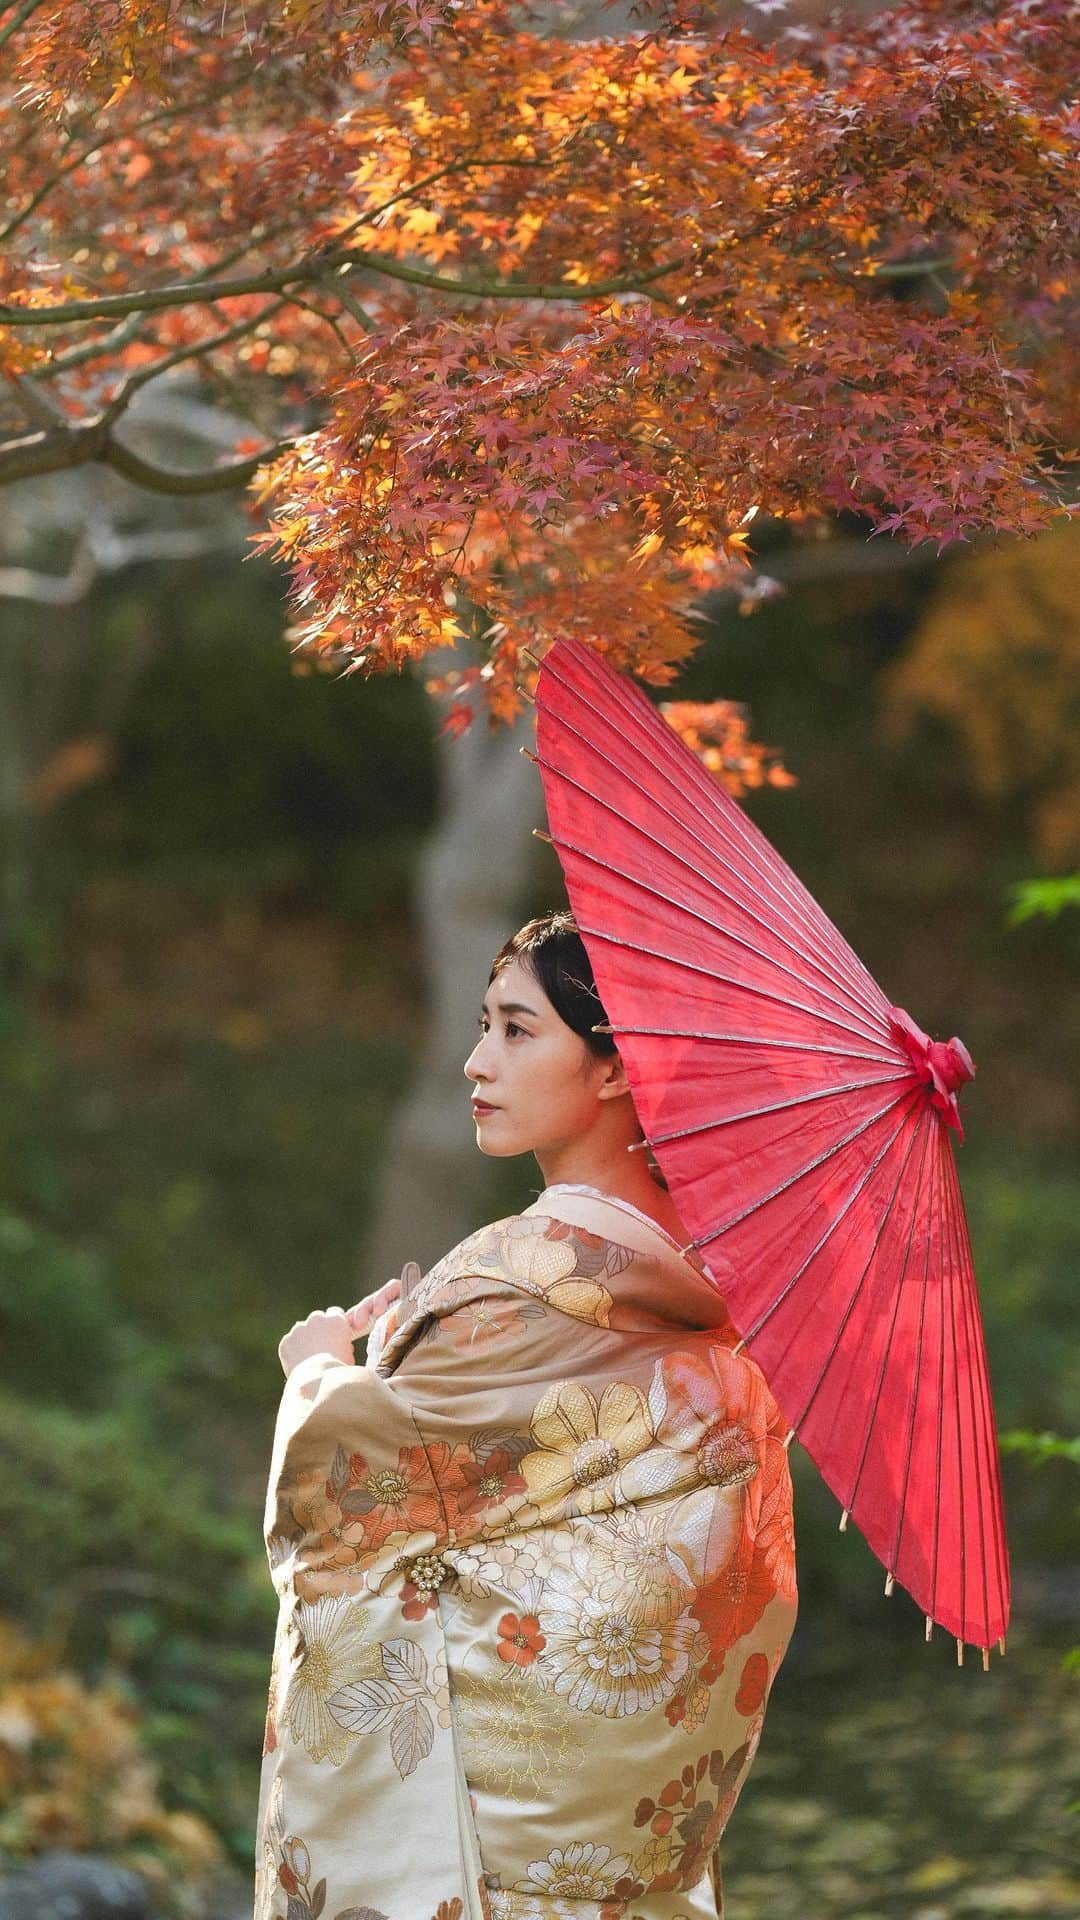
535, 1557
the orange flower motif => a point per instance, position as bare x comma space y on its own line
393, 1499
520, 1640
416, 1602
732, 1604
485, 1483
776, 1532
755, 1676
331, 1540
719, 1407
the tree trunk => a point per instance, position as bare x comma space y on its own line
435, 1182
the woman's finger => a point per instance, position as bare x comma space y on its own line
369, 1309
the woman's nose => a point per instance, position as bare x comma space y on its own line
473, 1068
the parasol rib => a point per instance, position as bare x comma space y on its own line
729, 980
875, 1012
734, 825
909, 1444
850, 1502
989, 1427
725, 933
981, 1424
857, 1289
988, 1435
760, 1040
809, 1166
757, 1113
940, 1414
826, 1236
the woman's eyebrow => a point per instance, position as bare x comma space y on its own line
513, 1006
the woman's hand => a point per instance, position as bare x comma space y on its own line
334, 1330
329, 1331
366, 1311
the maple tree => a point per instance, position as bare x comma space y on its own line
532, 328
996, 656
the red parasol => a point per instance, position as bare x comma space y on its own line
802, 1125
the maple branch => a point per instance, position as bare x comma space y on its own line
132, 328
901, 269
143, 375
452, 166
174, 480
520, 290
341, 293
100, 549
28, 7
80, 159
274, 280
61, 448
309, 306
39, 405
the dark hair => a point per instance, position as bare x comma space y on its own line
554, 951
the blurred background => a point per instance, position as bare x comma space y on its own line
248, 911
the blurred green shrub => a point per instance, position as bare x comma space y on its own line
127, 1557
56, 1317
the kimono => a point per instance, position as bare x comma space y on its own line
535, 1562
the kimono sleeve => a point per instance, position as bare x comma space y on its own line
348, 1470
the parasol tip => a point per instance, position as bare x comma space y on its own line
530, 755
929, 1628
636, 1146
843, 1521
959, 1653
539, 834
1001, 1644
986, 1659
601, 1027
889, 1584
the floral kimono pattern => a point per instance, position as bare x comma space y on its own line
536, 1572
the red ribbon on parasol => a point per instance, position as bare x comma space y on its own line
802, 1125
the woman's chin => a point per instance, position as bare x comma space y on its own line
495, 1148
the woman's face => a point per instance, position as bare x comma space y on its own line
541, 1085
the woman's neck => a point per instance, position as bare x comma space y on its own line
627, 1178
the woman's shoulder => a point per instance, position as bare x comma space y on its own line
600, 1269
533, 1253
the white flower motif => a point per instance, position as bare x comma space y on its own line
334, 1652
268, 1853
629, 1565
579, 1872
606, 1658
529, 1555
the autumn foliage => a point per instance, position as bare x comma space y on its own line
532, 329
75, 1772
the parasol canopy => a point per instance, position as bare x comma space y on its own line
803, 1125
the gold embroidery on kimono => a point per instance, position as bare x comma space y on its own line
536, 1572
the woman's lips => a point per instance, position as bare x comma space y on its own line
483, 1106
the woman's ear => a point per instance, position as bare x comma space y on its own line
614, 1083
